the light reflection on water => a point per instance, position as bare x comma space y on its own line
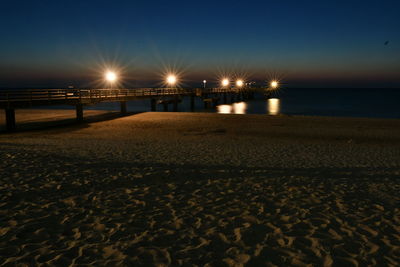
327, 102
240, 108
273, 106
235, 108
224, 109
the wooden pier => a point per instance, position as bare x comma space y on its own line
10, 100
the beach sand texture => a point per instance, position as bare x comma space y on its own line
202, 189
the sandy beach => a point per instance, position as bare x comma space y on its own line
200, 189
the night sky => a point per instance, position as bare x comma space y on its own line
304, 43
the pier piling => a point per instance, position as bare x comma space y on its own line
175, 103
123, 107
10, 119
79, 112
192, 102
153, 104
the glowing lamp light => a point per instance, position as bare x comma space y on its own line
239, 83
111, 76
225, 82
274, 84
171, 79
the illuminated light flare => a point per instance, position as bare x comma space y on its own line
274, 84
111, 76
239, 83
171, 79
225, 82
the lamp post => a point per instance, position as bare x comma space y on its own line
111, 77
274, 84
204, 84
225, 82
171, 80
239, 83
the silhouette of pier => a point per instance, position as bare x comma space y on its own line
10, 100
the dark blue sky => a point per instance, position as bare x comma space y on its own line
307, 43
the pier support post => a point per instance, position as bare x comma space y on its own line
165, 106
192, 102
225, 98
232, 97
153, 104
175, 103
79, 112
10, 119
123, 107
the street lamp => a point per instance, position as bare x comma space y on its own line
204, 84
225, 82
274, 84
111, 77
239, 83
171, 80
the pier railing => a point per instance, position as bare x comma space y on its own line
68, 94
95, 95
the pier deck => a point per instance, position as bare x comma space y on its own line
14, 99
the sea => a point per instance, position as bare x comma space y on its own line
369, 103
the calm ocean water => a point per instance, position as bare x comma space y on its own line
373, 103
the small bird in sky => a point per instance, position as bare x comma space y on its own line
387, 42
